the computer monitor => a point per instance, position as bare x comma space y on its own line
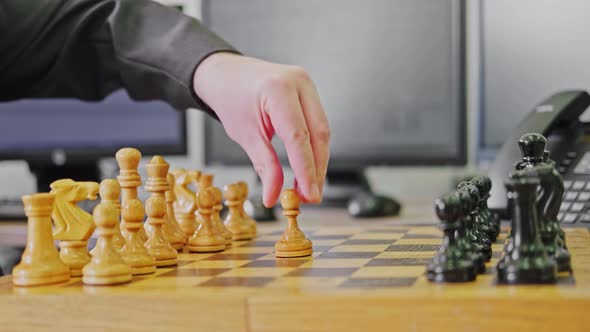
64, 138
390, 74
529, 50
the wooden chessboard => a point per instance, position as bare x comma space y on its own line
359, 274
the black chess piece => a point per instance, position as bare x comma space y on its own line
467, 196
525, 261
484, 187
548, 204
450, 263
550, 162
532, 147
494, 219
469, 250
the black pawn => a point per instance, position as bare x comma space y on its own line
450, 264
479, 238
525, 261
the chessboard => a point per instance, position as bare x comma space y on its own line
357, 272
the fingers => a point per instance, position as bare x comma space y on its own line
267, 166
319, 129
287, 118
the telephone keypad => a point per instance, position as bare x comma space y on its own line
576, 199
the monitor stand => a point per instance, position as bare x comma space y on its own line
341, 185
46, 173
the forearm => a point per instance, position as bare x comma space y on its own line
88, 48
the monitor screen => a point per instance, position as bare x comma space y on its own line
33, 128
389, 73
530, 50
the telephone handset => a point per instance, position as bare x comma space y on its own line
568, 140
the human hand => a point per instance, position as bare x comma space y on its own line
254, 99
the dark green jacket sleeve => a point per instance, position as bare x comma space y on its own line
86, 49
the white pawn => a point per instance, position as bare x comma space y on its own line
134, 252
107, 267
156, 244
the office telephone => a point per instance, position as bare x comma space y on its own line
568, 140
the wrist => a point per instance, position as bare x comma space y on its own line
208, 69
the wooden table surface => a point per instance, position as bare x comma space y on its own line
479, 306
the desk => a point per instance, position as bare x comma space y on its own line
360, 278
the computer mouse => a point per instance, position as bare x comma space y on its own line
256, 209
370, 205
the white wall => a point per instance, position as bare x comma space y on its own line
406, 183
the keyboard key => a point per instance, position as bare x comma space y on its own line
584, 218
567, 184
578, 185
562, 170
577, 207
566, 162
572, 154
570, 196
560, 216
583, 197
564, 206
587, 186
569, 218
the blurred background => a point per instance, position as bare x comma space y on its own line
418, 93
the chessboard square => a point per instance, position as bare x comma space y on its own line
344, 231
425, 230
398, 261
155, 283
194, 272
413, 247
183, 262
249, 250
279, 262
258, 243
404, 241
423, 236
335, 263
255, 282
378, 282
389, 272
257, 272
328, 243
204, 264
388, 229
191, 257
234, 257
406, 254
316, 283
322, 272
368, 241
346, 255
320, 249
377, 236
329, 237
360, 248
